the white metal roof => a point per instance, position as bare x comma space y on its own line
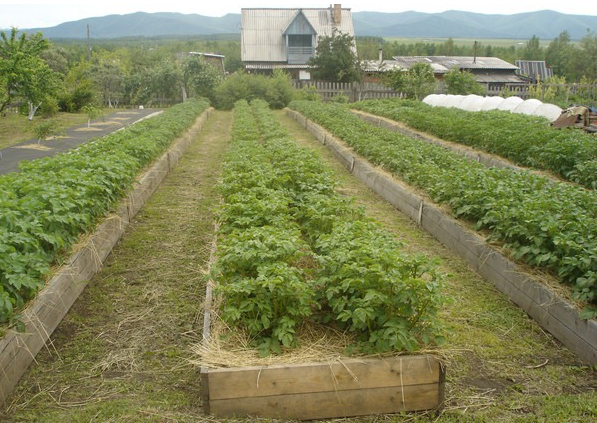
262, 30
264, 66
445, 63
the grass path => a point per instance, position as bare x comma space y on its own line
120, 354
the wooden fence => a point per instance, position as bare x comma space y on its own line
549, 92
545, 92
353, 91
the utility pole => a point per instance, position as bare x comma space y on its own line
88, 43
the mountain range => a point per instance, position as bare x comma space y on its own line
545, 24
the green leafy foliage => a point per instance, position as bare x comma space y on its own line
200, 76
462, 82
369, 286
46, 206
416, 82
336, 58
23, 73
45, 129
276, 90
526, 140
547, 224
291, 249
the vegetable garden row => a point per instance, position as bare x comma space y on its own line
46, 206
291, 249
549, 225
526, 140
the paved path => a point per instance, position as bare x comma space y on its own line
29, 150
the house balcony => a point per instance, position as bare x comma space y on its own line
299, 55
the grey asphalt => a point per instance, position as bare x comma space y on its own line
73, 137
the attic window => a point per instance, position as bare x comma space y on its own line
300, 40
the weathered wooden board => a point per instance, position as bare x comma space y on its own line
327, 405
554, 314
351, 387
42, 316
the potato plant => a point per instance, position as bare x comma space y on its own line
50, 202
291, 250
525, 140
547, 224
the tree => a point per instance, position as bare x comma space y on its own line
558, 54
79, 88
46, 129
166, 80
92, 113
200, 77
584, 58
336, 59
417, 82
108, 76
447, 48
23, 73
462, 82
57, 59
533, 50
39, 85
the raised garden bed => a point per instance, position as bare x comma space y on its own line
42, 316
272, 284
553, 313
351, 387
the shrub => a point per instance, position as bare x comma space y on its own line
276, 90
49, 107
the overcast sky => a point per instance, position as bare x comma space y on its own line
45, 14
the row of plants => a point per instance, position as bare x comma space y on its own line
292, 250
547, 224
525, 140
50, 202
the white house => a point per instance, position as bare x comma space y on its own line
287, 38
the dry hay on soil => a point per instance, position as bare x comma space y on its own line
226, 347
91, 129
108, 122
39, 147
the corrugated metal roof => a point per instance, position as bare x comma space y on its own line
442, 64
199, 53
274, 66
536, 69
498, 78
262, 30
439, 68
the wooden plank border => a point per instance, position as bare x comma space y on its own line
352, 387
553, 313
42, 316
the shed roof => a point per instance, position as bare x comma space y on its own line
442, 64
262, 30
537, 69
490, 74
266, 66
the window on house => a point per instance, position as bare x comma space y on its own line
303, 40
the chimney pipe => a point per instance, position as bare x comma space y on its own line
337, 14
380, 55
475, 52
